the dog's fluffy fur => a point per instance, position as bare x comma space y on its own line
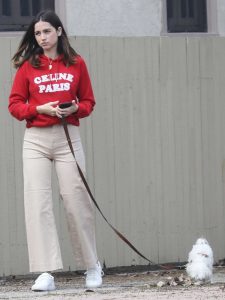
200, 261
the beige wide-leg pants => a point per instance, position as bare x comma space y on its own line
43, 148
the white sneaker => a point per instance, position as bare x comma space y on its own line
44, 282
94, 276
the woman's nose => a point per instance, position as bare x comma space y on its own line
43, 36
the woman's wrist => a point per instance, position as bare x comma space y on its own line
38, 109
76, 107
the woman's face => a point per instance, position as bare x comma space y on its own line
47, 36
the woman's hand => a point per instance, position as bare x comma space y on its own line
65, 112
48, 108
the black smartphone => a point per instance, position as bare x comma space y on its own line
65, 104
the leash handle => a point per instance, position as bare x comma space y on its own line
118, 233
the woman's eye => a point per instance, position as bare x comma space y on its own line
38, 33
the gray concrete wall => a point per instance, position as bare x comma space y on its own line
221, 17
114, 17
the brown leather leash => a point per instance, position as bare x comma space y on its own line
119, 234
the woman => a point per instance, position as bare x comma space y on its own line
50, 73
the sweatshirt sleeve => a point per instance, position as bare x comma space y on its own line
85, 95
18, 105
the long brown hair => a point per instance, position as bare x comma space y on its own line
30, 50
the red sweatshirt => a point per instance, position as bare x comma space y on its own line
33, 87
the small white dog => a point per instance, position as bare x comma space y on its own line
200, 261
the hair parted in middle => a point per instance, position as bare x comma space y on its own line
30, 50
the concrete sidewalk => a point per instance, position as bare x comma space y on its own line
136, 286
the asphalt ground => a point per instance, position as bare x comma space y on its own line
173, 284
